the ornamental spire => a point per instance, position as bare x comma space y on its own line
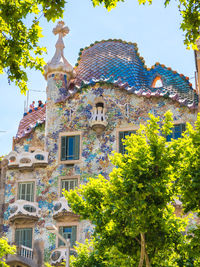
59, 62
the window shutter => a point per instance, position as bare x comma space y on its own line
17, 237
32, 192
28, 192
76, 146
19, 191
28, 237
183, 127
60, 243
63, 148
121, 146
73, 238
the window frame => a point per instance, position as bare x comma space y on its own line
26, 182
60, 242
175, 123
23, 228
68, 134
124, 129
71, 222
77, 177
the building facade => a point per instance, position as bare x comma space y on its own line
89, 110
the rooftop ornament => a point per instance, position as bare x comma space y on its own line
59, 63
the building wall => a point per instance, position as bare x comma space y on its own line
74, 115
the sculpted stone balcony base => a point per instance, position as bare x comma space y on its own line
62, 211
58, 254
24, 210
98, 121
27, 160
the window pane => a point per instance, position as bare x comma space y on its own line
23, 237
70, 149
68, 232
70, 146
25, 191
177, 131
122, 135
68, 184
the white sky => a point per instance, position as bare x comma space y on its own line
154, 28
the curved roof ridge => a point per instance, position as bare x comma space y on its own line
109, 40
170, 69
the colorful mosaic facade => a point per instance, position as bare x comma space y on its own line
111, 71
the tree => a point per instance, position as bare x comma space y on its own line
132, 211
5, 249
20, 32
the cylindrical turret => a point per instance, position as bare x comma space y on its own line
58, 73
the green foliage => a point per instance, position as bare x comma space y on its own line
5, 249
19, 38
132, 211
188, 175
189, 10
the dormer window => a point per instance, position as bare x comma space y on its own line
157, 82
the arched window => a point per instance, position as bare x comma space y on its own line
157, 82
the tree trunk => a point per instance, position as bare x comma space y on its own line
147, 260
142, 250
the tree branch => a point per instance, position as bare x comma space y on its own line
142, 250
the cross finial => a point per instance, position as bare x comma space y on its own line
60, 29
59, 62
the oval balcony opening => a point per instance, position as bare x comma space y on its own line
55, 255
39, 157
25, 161
12, 159
29, 208
13, 209
57, 206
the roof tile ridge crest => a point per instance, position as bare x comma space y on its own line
170, 69
103, 41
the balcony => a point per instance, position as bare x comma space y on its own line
26, 256
22, 210
58, 254
62, 210
98, 120
27, 160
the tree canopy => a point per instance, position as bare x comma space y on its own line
20, 31
133, 212
5, 249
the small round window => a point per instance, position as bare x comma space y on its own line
12, 159
39, 157
57, 206
55, 255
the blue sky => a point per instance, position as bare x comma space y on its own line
154, 28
